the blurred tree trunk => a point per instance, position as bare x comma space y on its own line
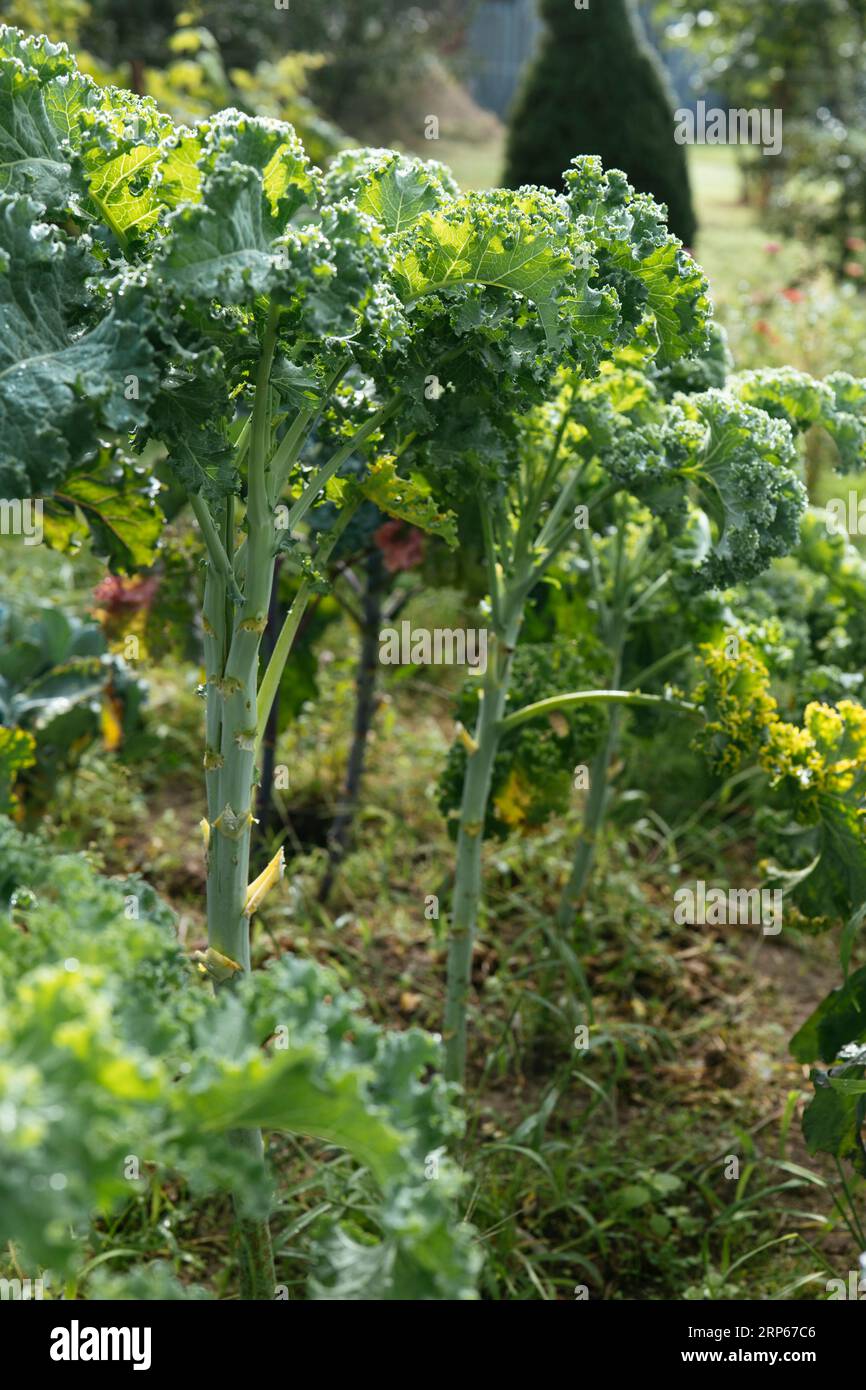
376, 581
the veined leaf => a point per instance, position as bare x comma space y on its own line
64, 139
390, 186
31, 157
503, 240
178, 177
124, 211
286, 1093
838, 1020
649, 268
289, 182
832, 1121
254, 177
407, 500
399, 195
118, 505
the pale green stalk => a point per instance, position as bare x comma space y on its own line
470, 838
232, 638
515, 565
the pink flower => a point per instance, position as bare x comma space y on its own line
853, 268
114, 594
402, 546
772, 248
855, 243
794, 296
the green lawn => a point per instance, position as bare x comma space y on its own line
731, 242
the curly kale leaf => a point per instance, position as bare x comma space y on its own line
40, 95
829, 553
837, 405
223, 244
110, 1047
83, 151
406, 500
657, 282
522, 243
69, 367
396, 190
707, 450
112, 500
460, 308
730, 459
740, 463
702, 371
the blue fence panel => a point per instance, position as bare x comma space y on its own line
502, 37
501, 40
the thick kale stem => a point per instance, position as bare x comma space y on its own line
215, 629
228, 928
473, 814
217, 556
267, 760
235, 690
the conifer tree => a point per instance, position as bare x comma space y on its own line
595, 87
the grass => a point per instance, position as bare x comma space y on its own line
731, 244
605, 1170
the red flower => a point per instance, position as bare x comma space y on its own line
853, 268
402, 546
794, 296
117, 595
855, 243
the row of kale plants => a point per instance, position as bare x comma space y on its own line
206, 297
